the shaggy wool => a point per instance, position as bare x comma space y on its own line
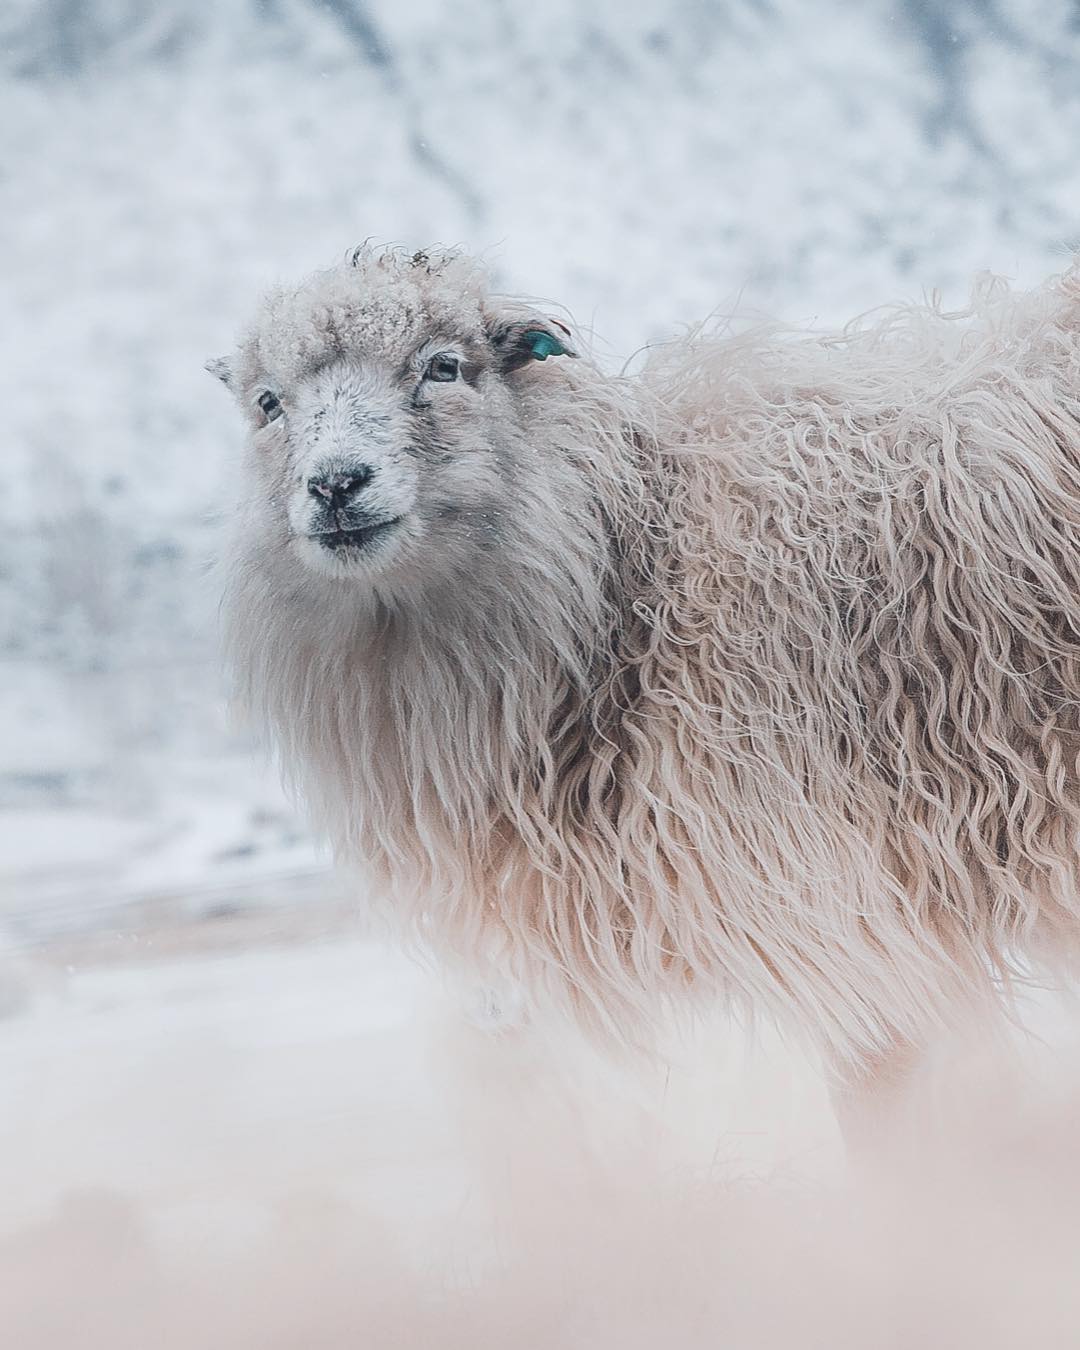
753, 676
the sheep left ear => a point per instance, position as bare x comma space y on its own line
219, 366
531, 339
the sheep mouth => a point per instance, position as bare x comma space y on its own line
358, 537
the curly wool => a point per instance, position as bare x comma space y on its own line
769, 691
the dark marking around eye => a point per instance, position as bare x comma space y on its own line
442, 368
269, 405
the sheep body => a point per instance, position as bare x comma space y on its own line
767, 688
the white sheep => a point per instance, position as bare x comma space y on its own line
755, 676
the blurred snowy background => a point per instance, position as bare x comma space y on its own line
644, 163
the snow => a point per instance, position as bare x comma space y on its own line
645, 166
294, 1139
193, 1021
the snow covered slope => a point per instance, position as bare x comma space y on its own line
644, 164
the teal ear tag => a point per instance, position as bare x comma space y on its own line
542, 345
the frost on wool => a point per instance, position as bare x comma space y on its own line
754, 677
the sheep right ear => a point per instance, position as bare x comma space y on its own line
530, 339
219, 366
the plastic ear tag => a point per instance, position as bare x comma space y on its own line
542, 345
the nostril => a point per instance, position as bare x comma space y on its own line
338, 488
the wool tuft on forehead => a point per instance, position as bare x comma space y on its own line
374, 305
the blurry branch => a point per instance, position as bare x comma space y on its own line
356, 22
69, 38
44, 39
947, 30
444, 171
945, 51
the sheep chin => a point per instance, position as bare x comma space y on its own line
365, 558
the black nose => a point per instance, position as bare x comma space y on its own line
338, 489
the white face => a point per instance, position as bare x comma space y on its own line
383, 447
359, 449
376, 471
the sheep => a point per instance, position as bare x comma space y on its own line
753, 677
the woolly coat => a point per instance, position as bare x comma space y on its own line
766, 690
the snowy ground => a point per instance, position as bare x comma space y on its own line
226, 1115
240, 1133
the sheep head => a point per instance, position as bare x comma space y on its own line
383, 398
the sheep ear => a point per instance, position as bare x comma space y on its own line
534, 338
219, 366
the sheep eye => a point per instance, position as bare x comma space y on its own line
443, 368
270, 406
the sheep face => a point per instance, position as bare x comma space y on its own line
382, 403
